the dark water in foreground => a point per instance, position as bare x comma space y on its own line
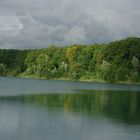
59, 110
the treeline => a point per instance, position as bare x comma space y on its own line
113, 62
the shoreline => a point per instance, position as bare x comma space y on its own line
100, 81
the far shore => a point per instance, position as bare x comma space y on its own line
72, 80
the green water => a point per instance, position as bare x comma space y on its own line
59, 110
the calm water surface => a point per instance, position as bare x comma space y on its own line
60, 110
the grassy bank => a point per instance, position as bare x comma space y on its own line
78, 80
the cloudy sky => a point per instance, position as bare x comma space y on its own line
40, 23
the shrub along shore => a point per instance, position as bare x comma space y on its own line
117, 62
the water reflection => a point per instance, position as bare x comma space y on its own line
120, 106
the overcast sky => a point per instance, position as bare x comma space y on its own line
40, 23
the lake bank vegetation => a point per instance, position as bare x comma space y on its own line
118, 61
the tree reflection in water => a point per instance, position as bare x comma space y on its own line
117, 105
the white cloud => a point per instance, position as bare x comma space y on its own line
10, 26
75, 35
41, 23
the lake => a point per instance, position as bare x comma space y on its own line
64, 110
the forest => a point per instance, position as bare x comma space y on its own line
117, 61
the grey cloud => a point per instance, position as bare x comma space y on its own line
35, 24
